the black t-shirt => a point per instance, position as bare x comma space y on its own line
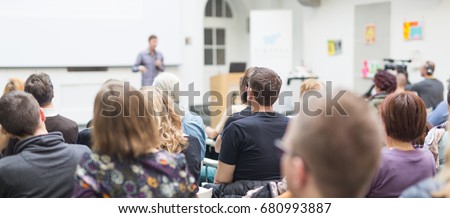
193, 157
249, 144
66, 126
237, 116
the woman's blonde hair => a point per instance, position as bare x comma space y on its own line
168, 121
14, 84
123, 122
310, 85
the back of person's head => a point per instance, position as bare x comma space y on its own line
123, 125
385, 81
19, 113
167, 82
404, 116
310, 85
265, 86
41, 87
168, 121
402, 80
244, 84
333, 154
448, 97
14, 84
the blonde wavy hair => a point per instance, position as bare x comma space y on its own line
167, 120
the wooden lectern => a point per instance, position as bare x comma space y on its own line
225, 84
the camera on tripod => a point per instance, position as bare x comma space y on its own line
398, 65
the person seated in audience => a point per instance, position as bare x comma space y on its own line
14, 84
385, 84
306, 86
404, 119
246, 112
430, 90
126, 161
41, 87
321, 160
169, 124
402, 81
248, 152
41, 164
84, 137
192, 124
440, 114
437, 187
437, 139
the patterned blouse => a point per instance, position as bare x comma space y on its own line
160, 174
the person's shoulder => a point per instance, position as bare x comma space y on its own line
175, 160
67, 121
10, 164
423, 189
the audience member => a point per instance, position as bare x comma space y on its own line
246, 112
41, 87
404, 119
14, 84
438, 187
402, 81
84, 137
440, 114
248, 152
321, 160
192, 124
385, 84
41, 164
172, 138
126, 161
430, 90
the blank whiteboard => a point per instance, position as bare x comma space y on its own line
63, 33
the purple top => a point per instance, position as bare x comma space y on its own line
159, 174
400, 169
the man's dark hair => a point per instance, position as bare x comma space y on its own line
448, 97
19, 113
152, 37
41, 87
266, 85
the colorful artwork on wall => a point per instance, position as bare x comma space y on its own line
369, 34
334, 47
370, 68
412, 30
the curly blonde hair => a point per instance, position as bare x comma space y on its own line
168, 121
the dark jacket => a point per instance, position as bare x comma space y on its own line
66, 126
237, 189
40, 166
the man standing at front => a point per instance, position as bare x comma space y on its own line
149, 62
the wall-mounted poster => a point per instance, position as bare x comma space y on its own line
369, 34
412, 30
334, 47
370, 68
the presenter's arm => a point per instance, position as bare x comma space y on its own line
161, 66
137, 63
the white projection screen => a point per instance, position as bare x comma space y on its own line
71, 33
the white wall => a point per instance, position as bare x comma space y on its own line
335, 20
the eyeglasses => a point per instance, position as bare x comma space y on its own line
282, 147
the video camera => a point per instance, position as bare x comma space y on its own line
398, 65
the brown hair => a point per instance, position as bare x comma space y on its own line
244, 84
265, 85
19, 113
310, 85
404, 116
123, 122
341, 152
168, 121
152, 37
41, 87
14, 84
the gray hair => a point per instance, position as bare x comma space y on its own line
167, 82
